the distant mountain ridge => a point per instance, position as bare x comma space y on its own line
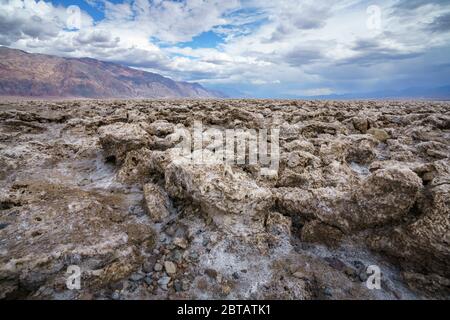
39, 75
437, 93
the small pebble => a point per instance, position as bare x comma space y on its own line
194, 255
115, 295
359, 265
148, 266
177, 285
350, 272
211, 273
157, 267
137, 276
148, 280
170, 267
164, 280
177, 256
225, 290
327, 292
180, 242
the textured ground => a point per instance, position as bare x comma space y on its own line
100, 185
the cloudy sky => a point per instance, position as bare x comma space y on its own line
256, 48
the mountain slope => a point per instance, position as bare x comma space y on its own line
39, 75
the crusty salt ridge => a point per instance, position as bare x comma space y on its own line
101, 185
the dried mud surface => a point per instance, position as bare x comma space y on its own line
98, 184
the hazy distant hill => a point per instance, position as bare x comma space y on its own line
37, 75
438, 93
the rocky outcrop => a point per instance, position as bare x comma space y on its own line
52, 226
229, 197
384, 197
119, 138
422, 243
156, 202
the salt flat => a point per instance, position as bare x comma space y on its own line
115, 188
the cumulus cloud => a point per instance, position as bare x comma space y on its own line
169, 21
20, 20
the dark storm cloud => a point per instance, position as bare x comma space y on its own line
440, 24
284, 30
375, 57
371, 52
302, 56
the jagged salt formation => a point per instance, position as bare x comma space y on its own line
102, 185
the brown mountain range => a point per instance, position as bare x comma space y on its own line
37, 75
